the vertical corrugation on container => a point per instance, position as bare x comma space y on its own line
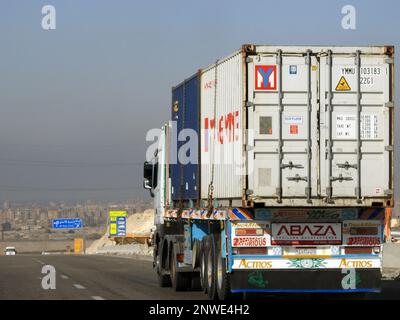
185, 114
221, 128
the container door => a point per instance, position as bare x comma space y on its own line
282, 117
355, 126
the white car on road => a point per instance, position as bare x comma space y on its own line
10, 251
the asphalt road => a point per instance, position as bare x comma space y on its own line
82, 278
105, 277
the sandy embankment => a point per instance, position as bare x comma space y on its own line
137, 224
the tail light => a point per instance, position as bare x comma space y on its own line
377, 250
179, 257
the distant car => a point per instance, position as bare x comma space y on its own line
10, 251
395, 234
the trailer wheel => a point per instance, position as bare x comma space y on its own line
203, 264
223, 281
196, 253
211, 269
180, 280
164, 280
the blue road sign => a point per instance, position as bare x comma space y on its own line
67, 223
121, 226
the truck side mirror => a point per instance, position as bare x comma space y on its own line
148, 175
147, 184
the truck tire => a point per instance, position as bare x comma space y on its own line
164, 280
180, 280
223, 281
196, 253
203, 264
211, 269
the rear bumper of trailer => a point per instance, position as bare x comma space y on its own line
319, 281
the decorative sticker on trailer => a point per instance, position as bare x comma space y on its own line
306, 233
250, 234
265, 77
362, 232
305, 263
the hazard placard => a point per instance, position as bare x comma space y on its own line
342, 85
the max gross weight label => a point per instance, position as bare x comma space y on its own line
199, 310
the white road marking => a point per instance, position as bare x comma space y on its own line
78, 286
97, 298
64, 276
38, 261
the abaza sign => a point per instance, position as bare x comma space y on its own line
306, 233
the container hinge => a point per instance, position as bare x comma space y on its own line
346, 165
291, 165
389, 104
389, 148
248, 147
297, 178
329, 60
340, 178
389, 60
388, 192
249, 104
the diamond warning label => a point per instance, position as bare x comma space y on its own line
342, 85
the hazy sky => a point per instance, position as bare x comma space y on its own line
76, 102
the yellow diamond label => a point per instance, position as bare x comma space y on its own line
342, 85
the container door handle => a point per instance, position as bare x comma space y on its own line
297, 178
347, 165
291, 165
340, 178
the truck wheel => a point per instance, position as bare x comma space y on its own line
211, 269
196, 254
223, 281
180, 280
203, 264
164, 280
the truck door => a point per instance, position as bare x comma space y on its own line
355, 125
282, 116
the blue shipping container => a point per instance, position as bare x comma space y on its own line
185, 178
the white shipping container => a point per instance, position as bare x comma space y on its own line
299, 126
222, 154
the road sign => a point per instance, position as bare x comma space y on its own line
79, 245
117, 223
67, 223
121, 226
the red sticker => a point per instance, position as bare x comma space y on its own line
265, 77
294, 129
